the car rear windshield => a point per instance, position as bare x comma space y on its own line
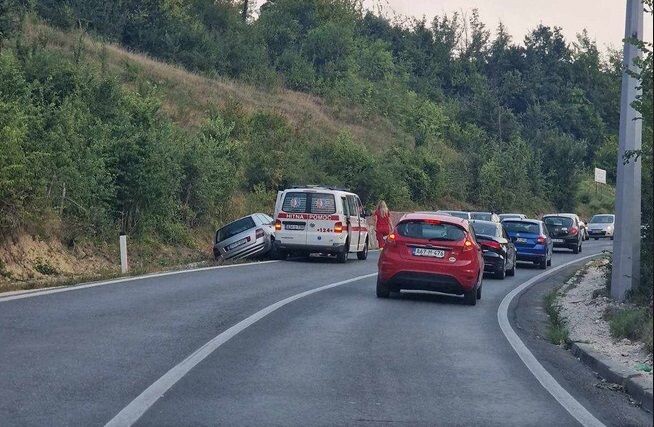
428, 230
462, 215
231, 230
482, 216
521, 227
317, 203
558, 221
602, 219
487, 229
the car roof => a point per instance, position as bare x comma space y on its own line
317, 189
426, 215
565, 215
449, 210
533, 221
481, 221
483, 212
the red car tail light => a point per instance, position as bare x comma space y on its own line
541, 240
574, 231
468, 245
278, 225
259, 233
338, 227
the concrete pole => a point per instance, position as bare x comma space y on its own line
124, 267
626, 244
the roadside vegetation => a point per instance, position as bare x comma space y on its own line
557, 331
632, 323
164, 119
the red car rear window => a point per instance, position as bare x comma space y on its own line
427, 230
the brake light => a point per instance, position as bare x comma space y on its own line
278, 225
468, 245
492, 244
391, 239
259, 233
541, 240
338, 227
574, 231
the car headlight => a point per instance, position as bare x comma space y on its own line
609, 228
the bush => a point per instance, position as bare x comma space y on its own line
630, 323
557, 331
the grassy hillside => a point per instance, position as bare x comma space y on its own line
187, 97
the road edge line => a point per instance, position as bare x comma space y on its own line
131, 413
565, 399
58, 289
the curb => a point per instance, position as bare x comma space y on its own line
637, 385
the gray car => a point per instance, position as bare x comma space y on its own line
485, 216
458, 214
602, 225
246, 237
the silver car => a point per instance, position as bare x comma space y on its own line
458, 214
485, 216
512, 216
602, 225
246, 237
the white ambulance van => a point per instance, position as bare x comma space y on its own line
320, 220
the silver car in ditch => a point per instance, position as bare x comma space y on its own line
247, 237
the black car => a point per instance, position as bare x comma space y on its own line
565, 231
498, 250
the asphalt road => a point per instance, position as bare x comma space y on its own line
336, 357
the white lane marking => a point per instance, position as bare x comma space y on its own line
56, 290
137, 407
576, 409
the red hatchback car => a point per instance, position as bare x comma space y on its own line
432, 252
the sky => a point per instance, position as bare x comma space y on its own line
604, 19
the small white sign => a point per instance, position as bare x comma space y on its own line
600, 175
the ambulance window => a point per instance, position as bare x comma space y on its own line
352, 205
295, 203
346, 211
359, 206
322, 203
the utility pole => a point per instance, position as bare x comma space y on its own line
245, 11
626, 245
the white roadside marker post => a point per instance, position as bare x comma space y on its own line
626, 246
124, 267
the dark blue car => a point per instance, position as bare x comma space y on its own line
531, 239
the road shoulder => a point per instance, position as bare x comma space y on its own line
529, 319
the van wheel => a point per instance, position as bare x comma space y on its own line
341, 257
382, 290
363, 255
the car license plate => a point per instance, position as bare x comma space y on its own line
520, 240
236, 244
557, 240
434, 253
298, 227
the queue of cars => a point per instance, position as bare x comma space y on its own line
443, 251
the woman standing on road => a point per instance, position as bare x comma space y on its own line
383, 224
